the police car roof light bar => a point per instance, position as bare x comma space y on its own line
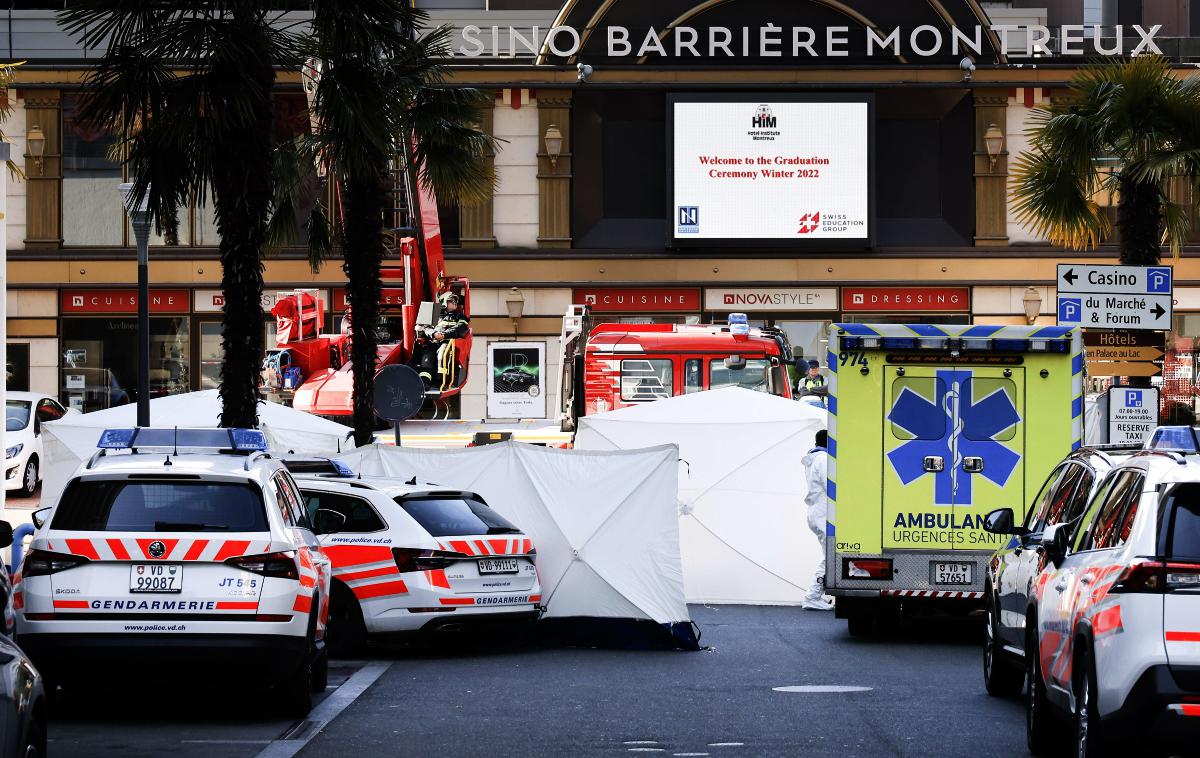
238, 440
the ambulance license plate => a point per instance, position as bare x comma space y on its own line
952, 573
156, 577
498, 566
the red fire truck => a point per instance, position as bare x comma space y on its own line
610, 366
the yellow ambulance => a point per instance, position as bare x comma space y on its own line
930, 428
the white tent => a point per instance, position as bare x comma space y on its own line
603, 523
72, 440
742, 528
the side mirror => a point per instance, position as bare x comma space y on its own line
328, 521
779, 379
1055, 541
1002, 521
40, 516
6, 534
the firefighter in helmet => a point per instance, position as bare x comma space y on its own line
435, 354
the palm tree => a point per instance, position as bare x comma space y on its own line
381, 91
187, 86
1127, 130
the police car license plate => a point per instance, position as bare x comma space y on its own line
952, 573
498, 566
156, 577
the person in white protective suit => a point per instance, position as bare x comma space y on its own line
816, 463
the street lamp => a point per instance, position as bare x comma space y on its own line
1033, 305
36, 140
514, 301
554, 143
993, 140
138, 210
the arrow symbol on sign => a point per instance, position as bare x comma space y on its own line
1070, 276
1158, 310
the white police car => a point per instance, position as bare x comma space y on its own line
173, 551
417, 558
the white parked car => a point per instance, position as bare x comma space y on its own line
417, 558
24, 414
179, 548
1113, 635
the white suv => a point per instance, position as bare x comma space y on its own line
1113, 636
418, 558
185, 548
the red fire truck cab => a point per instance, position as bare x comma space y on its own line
611, 366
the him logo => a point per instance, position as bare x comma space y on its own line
763, 118
809, 223
1133, 399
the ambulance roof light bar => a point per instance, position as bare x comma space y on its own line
955, 344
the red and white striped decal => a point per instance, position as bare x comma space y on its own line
176, 549
931, 593
488, 546
1183, 636
1186, 709
369, 571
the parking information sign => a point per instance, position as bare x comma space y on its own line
1132, 414
1122, 297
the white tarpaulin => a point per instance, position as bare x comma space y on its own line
72, 440
742, 528
603, 523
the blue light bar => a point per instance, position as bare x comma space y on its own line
116, 439
1177, 438
343, 469
1060, 346
738, 318
248, 440
852, 343
899, 343
1009, 345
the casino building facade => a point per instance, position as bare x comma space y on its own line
674, 161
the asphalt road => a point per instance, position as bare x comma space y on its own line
925, 697
921, 695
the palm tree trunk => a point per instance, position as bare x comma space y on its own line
365, 201
1139, 223
242, 190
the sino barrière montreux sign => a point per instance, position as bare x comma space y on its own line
773, 41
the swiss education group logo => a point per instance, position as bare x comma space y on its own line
809, 223
689, 219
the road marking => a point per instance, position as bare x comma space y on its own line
329, 709
689, 754
726, 744
225, 742
647, 750
640, 742
821, 688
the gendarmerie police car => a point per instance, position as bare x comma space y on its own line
172, 548
417, 558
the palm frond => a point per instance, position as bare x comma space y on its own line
1055, 203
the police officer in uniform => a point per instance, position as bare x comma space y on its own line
812, 380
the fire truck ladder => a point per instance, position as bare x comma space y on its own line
572, 341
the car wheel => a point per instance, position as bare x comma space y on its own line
296, 691
345, 632
29, 479
1040, 733
1000, 677
1089, 742
861, 626
35, 740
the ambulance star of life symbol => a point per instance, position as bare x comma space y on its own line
952, 426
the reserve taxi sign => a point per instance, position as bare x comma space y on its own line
1122, 297
1132, 414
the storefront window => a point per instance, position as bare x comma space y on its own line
212, 353
809, 339
91, 207
99, 360
1181, 365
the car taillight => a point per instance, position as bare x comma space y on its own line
44, 563
411, 559
1146, 576
277, 565
867, 568
1183, 576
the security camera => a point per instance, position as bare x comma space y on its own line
967, 66
585, 71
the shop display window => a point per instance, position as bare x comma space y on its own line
100, 360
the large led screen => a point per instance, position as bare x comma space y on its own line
770, 170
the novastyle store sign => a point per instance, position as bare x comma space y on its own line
797, 42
